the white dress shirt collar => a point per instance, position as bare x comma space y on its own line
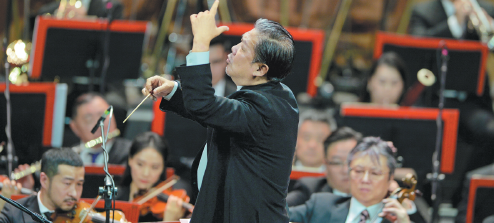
42, 208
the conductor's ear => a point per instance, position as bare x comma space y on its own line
261, 69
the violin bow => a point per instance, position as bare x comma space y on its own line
90, 208
160, 188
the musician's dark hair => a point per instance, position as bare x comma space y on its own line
142, 141
390, 59
374, 147
52, 158
274, 48
84, 99
341, 134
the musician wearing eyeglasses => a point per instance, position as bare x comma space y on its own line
371, 166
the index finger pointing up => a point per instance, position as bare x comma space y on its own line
214, 7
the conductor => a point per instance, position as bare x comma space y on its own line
242, 173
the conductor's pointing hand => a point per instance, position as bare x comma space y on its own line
204, 28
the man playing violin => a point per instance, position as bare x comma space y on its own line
371, 167
243, 170
61, 178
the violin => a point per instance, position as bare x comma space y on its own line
409, 191
402, 193
155, 200
84, 213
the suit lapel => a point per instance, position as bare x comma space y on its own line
340, 213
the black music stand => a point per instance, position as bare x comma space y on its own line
38, 112
68, 48
412, 130
466, 66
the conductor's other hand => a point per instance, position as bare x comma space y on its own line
28, 180
204, 28
158, 87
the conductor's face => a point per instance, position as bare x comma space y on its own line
240, 66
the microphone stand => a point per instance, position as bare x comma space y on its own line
8, 127
106, 47
108, 191
36, 217
436, 162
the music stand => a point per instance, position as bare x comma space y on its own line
481, 187
308, 55
412, 130
38, 115
466, 59
62, 48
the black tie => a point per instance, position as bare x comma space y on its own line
48, 215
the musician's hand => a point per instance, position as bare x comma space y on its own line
204, 28
174, 210
10, 188
394, 211
158, 87
27, 181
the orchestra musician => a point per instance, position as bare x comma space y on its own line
61, 178
371, 166
243, 171
145, 169
386, 82
86, 111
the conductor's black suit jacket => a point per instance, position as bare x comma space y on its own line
250, 146
12, 214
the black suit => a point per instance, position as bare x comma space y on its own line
305, 187
12, 214
250, 147
119, 152
322, 207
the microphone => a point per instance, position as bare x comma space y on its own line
101, 119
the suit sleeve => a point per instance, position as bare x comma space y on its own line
299, 194
303, 213
4, 215
176, 104
233, 115
419, 26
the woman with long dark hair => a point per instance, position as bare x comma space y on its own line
145, 169
387, 81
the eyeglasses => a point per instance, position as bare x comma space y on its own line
359, 173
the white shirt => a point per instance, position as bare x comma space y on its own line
356, 209
42, 208
455, 27
341, 194
219, 88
